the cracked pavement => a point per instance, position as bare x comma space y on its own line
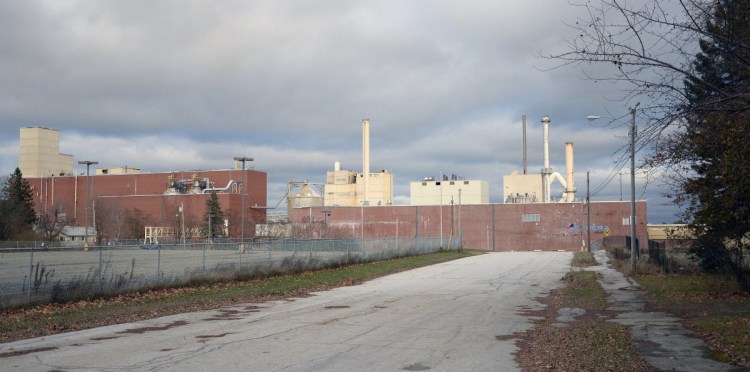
458, 315
661, 339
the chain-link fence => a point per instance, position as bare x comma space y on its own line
39, 274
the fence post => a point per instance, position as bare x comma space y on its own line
239, 268
158, 265
203, 263
31, 273
101, 272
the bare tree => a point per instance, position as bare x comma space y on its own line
650, 50
51, 221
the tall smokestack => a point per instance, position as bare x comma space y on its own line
365, 157
570, 190
546, 171
524, 143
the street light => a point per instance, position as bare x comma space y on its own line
588, 215
243, 159
88, 195
633, 132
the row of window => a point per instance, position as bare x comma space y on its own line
424, 183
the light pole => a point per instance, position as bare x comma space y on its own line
588, 215
633, 133
88, 195
243, 159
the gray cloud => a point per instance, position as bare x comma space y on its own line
181, 85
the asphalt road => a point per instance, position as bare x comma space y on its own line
452, 316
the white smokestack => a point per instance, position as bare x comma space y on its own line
546, 171
524, 144
366, 157
570, 190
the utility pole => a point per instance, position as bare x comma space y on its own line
633, 251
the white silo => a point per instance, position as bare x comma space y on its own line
306, 197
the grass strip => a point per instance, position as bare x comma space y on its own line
583, 291
16, 324
713, 306
587, 343
583, 259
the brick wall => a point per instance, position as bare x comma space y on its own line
493, 227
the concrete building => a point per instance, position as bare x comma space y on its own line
118, 170
522, 188
449, 191
39, 153
347, 188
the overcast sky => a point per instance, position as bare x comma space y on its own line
186, 85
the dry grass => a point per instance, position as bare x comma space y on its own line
589, 343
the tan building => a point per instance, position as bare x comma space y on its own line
347, 188
119, 170
455, 191
39, 154
522, 188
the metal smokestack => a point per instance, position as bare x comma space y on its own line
365, 157
570, 190
524, 144
546, 171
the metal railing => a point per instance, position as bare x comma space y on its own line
43, 273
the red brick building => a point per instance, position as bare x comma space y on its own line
148, 196
492, 227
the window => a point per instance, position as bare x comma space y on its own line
626, 221
453, 183
466, 182
531, 217
424, 183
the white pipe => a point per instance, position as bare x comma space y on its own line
545, 127
209, 189
557, 176
570, 190
365, 157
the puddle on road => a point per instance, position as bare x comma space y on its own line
14, 353
176, 323
206, 337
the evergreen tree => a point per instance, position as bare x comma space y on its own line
716, 142
17, 215
215, 215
